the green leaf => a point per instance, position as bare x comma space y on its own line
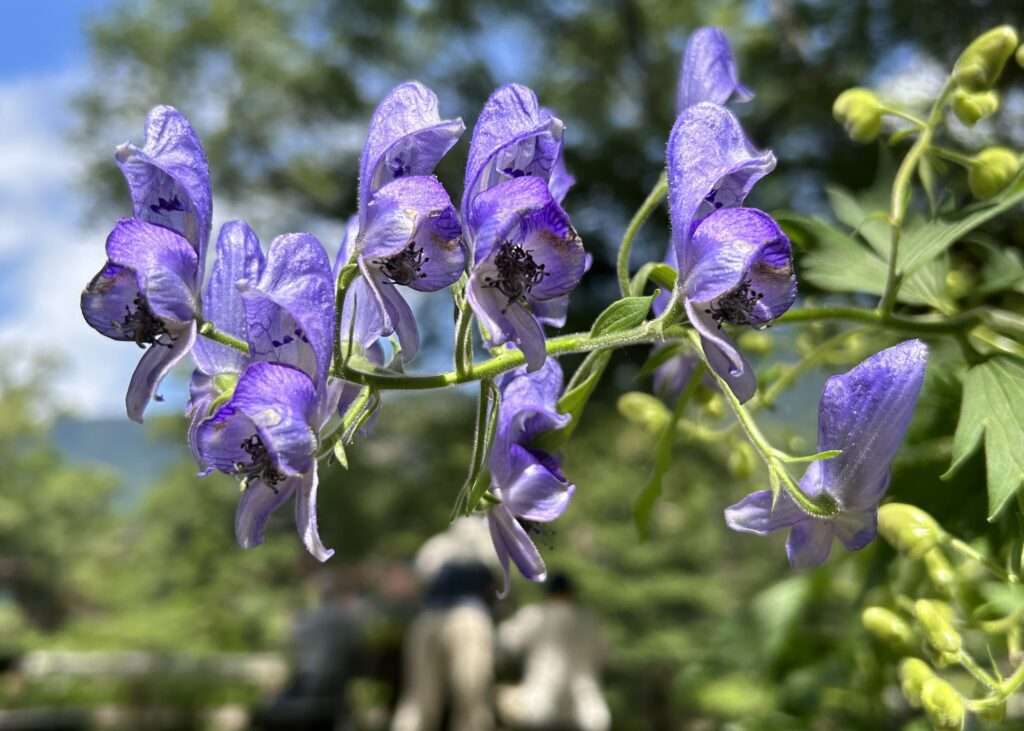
870, 224
804, 458
575, 398
836, 262
622, 315
643, 505
1002, 268
922, 243
927, 286
993, 408
662, 274
339, 453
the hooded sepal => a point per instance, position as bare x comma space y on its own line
513, 137
169, 178
711, 165
406, 137
708, 71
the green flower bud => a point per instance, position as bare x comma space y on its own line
1020, 57
756, 341
888, 627
908, 529
715, 406
860, 112
644, 410
959, 283
991, 171
980, 64
969, 107
940, 571
913, 673
937, 620
944, 706
742, 461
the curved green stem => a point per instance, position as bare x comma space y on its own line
824, 507
653, 200
348, 273
647, 333
901, 195
952, 155
464, 340
912, 118
965, 549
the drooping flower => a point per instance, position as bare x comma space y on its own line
266, 432
708, 74
409, 233
865, 413
146, 291
527, 257
735, 264
708, 71
526, 480
146, 294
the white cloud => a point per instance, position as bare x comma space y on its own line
48, 252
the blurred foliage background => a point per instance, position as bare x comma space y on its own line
709, 630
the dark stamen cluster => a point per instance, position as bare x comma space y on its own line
406, 266
399, 168
260, 466
164, 205
737, 306
142, 326
517, 272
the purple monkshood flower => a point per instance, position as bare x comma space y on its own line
146, 291
865, 413
735, 264
527, 257
708, 71
264, 431
528, 481
408, 230
239, 259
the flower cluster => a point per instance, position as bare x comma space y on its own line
286, 343
267, 391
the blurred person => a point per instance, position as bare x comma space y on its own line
326, 648
563, 650
449, 647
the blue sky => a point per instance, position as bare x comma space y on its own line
40, 36
48, 247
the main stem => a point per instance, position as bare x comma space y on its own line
901, 196
653, 200
646, 333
